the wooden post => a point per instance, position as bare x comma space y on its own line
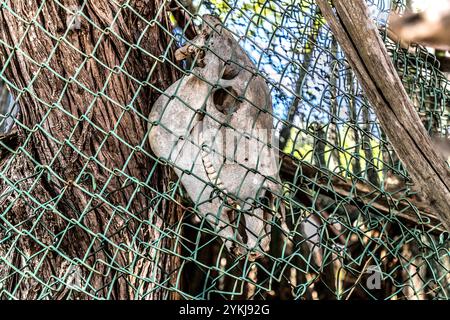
369, 59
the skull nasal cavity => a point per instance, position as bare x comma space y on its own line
231, 71
225, 100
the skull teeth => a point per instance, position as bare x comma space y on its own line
213, 176
210, 170
208, 164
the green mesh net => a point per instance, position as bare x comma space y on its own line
87, 211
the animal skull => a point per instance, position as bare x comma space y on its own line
215, 127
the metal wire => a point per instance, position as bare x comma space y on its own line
359, 229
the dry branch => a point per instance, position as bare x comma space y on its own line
332, 186
367, 55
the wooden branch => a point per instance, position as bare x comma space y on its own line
333, 185
366, 53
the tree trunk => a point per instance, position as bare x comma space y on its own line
80, 201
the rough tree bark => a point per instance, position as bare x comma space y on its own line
85, 93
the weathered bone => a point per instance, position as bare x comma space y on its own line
188, 129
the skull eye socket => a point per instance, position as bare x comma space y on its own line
225, 100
